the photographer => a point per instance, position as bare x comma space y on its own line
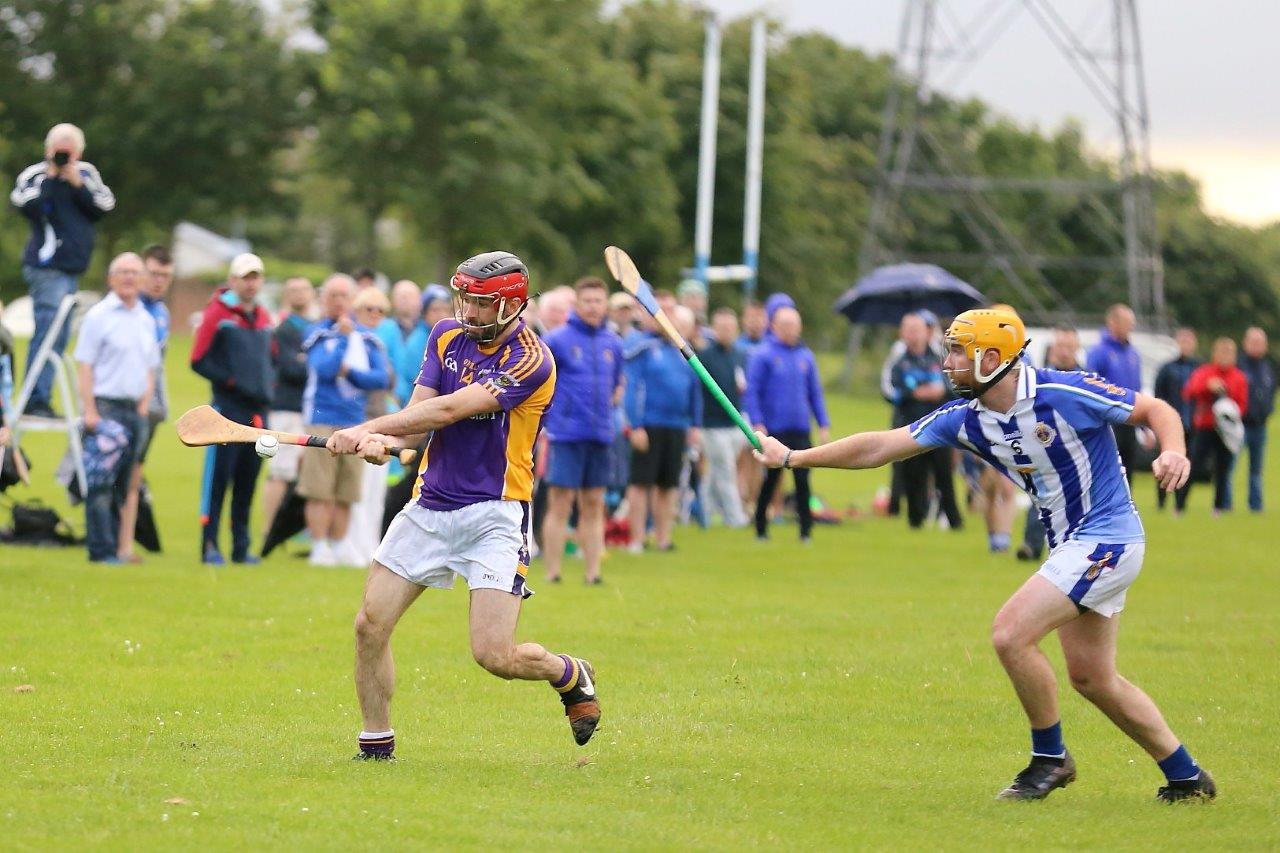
63, 196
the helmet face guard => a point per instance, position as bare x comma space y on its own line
485, 333
497, 279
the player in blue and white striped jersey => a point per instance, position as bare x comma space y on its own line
1049, 432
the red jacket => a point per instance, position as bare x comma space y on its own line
1197, 391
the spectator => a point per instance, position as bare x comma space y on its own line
897, 480
435, 305
370, 308
1116, 360
722, 440
783, 392
622, 314
290, 365
1260, 371
754, 326
232, 349
406, 307
343, 365
395, 330
1211, 383
580, 427
664, 413
1170, 381
553, 309
365, 277
916, 387
364, 525
692, 294
63, 196
117, 354
155, 287
1063, 354
750, 472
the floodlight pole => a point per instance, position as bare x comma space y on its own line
1119, 214
707, 148
755, 159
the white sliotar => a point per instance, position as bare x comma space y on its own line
266, 446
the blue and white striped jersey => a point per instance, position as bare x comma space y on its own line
1056, 445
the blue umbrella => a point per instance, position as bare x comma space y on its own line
887, 293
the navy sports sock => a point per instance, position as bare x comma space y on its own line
1047, 742
378, 743
1180, 766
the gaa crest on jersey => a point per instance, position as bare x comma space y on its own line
505, 380
1045, 434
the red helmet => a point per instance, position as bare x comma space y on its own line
494, 276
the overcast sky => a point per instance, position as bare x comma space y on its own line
1211, 66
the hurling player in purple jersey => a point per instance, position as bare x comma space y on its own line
1049, 432
485, 384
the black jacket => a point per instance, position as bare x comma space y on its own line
1261, 373
290, 363
1170, 381
727, 367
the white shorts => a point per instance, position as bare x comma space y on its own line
1095, 576
284, 465
485, 543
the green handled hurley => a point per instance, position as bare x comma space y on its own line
624, 270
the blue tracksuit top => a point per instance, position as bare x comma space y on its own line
662, 389
1116, 362
783, 387
588, 371
333, 400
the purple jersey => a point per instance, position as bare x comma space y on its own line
489, 456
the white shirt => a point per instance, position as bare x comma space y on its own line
119, 343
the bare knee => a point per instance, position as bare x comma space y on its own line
371, 631
591, 501
1006, 638
497, 660
1092, 683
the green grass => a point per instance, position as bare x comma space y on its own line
838, 696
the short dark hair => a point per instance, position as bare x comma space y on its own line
663, 293
364, 272
1066, 328
724, 311
752, 304
159, 254
590, 282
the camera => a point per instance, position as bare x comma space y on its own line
61, 158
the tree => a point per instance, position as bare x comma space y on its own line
496, 123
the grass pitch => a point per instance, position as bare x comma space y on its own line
840, 695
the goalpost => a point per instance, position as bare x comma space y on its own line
746, 272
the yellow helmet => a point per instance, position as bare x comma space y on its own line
996, 328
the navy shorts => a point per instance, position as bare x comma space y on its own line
579, 464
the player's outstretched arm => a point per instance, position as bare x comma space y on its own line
420, 393
1171, 468
418, 418
860, 450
